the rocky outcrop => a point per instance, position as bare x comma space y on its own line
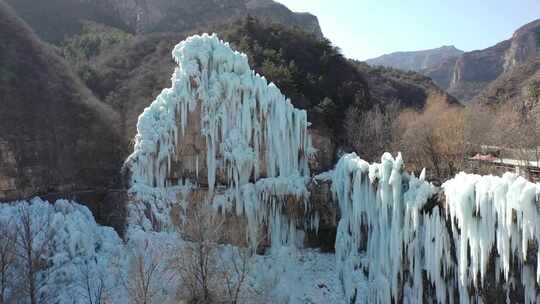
441, 73
467, 76
416, 60
519, 84
53, 21
56, 136
525, 44
178, 16
473, 71
519, 87
408, 89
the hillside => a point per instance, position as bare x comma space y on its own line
519, 87
409, 89
57, 20
56, 136
308, 70
472, 72
416, 60
54, 20
221, 185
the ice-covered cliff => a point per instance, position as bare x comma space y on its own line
481, 242
251, 142
223, 137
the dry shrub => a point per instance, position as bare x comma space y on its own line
435, 139
147, 274
196, 261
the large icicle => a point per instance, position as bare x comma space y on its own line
251, 131
409, 242
382, 201
491, 212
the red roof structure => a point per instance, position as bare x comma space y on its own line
484, 157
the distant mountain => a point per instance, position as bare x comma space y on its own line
469, 75
54, 20
56, 136
416, 60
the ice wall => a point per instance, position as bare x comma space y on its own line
79, 254
257, 143
415, 252
495, 214
380, 205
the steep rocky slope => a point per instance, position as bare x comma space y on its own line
416, 60
408, 89
472, 72
56, 136
167, 16
519, 86
55, 20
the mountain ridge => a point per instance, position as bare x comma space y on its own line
57, 20
416, 60
469, 75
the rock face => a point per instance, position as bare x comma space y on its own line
55, 20
175, 16
223, 135
467, 76
56, 136
417, 60
519, 86
471, 72
408, 89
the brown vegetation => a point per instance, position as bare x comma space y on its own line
196, 263
443, 137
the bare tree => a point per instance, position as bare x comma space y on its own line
435, 138
196, 261
145, 275
93, 284
32, 246
236, 272
7, 258
372, 133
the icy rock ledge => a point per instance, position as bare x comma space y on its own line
492, 213
441, 253
251, 130
380, 205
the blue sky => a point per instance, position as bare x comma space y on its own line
368, 28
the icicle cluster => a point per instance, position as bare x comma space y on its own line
376, 198
74, 252
407, 242
501, 213
263, 204
251, 130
